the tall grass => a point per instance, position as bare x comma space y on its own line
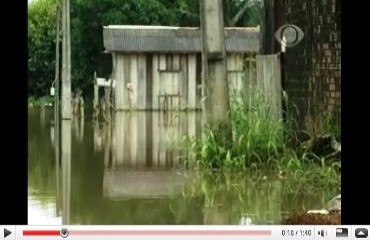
260, 141
258, 138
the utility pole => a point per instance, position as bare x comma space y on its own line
57, 80
66, 137
215, 79
56, 104
66, 64
268, 27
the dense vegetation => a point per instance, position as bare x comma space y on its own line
268, 146
87, 20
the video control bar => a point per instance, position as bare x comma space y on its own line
184, 232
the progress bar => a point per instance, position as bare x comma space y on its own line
41, 233
150, 233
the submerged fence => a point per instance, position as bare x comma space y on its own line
269, 82
260, 82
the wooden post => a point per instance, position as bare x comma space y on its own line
96, 97
215, 71
279, 21
268, 27
66, 65
107, 103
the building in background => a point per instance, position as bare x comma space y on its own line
159, 67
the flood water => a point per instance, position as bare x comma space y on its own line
132, 172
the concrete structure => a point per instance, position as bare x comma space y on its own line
157, 67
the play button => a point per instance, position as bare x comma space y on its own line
6, 233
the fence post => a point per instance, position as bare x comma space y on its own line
96, 97
269, 82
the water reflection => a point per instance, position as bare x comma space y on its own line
98, 137
131, 172
146, 153
150, 140
239, 200
52, 135
66, 145
78, 125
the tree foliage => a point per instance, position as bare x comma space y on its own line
87, 20
41, 46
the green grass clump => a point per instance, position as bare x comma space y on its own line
261, 140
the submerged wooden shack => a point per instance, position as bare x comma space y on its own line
158, 67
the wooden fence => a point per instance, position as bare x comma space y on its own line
268, 76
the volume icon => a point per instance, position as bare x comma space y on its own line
322, 233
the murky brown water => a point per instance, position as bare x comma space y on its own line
132, 173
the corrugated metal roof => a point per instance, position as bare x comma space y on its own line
174, 39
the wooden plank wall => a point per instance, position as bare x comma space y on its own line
249, 67
120, 88
269, 81
156, 81
236, 72
184, 80
149, 77
131, 70
149, 82
192, 103
178, 78
142, 81
134, 81
126, 80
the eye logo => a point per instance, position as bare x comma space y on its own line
289, 35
